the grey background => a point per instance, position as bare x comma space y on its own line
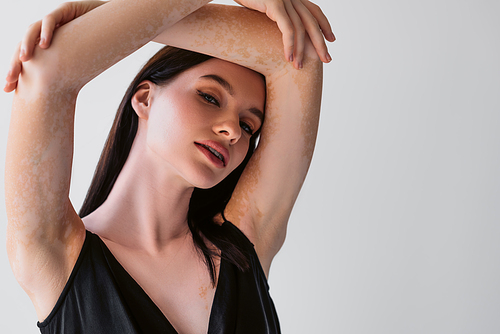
397, 227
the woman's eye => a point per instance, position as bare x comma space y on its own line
247, 128
209, 98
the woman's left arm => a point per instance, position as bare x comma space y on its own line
263, 199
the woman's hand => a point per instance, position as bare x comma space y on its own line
295, 18
41, 32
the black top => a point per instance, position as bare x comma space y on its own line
101, 297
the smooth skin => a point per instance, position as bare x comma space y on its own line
143, 222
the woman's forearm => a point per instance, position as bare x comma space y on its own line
88, 45
237, 34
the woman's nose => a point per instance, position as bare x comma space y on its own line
229, 128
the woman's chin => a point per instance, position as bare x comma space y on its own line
205, 180
207, 184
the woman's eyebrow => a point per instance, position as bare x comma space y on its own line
221, 81
257, 113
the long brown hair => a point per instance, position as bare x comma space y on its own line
205, 204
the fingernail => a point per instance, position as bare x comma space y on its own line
42, 41
328, 57
332, 36
9, 74
300, 65
22, 53
291, 58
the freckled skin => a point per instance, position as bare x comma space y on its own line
305, 81
45, 234
249, 45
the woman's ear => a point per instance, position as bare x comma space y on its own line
141, 100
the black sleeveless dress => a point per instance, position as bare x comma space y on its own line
101, 297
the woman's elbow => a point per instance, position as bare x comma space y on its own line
43, 74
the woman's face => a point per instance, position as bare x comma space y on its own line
201, 123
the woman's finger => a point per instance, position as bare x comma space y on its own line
47, 30
300, 34
321, 19
313, 30
9, 87
15, 68
30, 40
60, 16
278, 14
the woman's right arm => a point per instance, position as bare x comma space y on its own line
44, 233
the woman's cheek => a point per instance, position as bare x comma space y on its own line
163, 137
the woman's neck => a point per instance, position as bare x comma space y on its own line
147, 207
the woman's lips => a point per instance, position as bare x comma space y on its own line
215, 152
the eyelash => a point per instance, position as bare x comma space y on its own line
212, 100
209, 98
247, 128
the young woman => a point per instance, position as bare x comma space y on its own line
183, 218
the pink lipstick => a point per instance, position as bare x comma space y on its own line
215, 152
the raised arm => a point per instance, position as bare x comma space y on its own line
294, 18
263, 199
44, 233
